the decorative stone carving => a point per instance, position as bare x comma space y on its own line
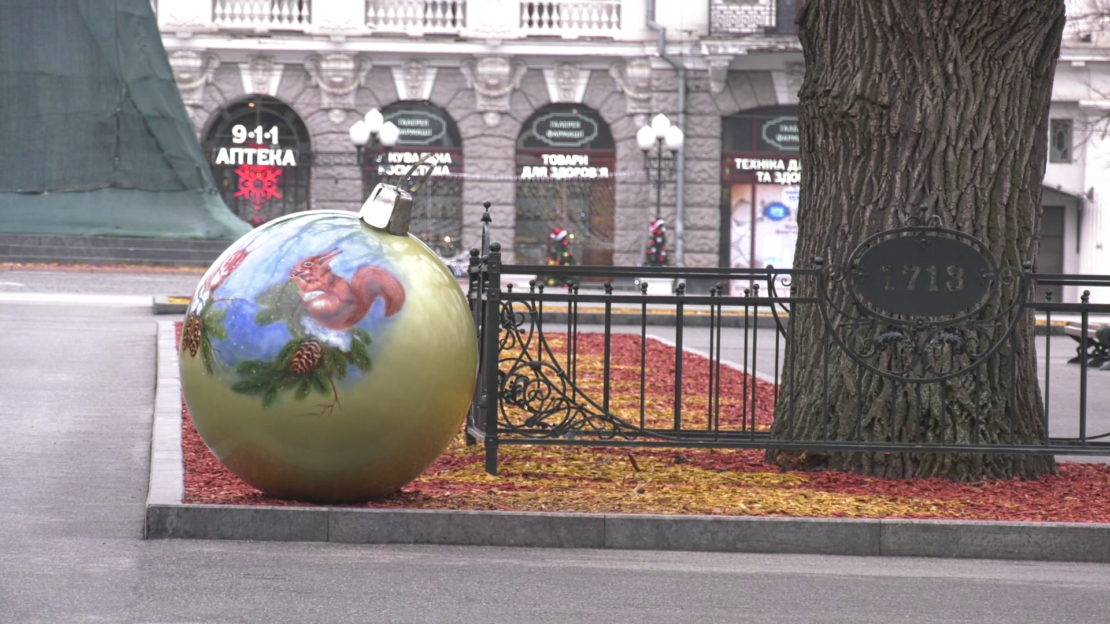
337, 76
493, 20
184, 17
633, 78
718, 75
566, 82
192, 71
261, 75
414, 80
338, 19
788, 82
493, 79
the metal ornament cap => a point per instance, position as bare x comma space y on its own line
388, 208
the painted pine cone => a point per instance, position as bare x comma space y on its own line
190, 338
306, 357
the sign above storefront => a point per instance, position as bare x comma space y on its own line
421, 126
427, 133
564, 142
397, 163
263, 148
255, 156
565, 129
772, 130
761, 170
562, 166
781, 133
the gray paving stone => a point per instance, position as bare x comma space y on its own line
228, 522
752, 535
547, 530
1047, 541
475, 528
387, 526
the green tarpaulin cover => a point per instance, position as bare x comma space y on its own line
95, 137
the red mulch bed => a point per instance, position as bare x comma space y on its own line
616, 480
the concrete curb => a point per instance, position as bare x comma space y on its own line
1033, 541
168, 517
163, 305
167, 469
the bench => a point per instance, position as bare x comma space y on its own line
1098, 345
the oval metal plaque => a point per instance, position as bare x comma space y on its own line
922, 275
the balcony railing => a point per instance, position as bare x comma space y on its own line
742, 17
262, 14
571, 19
416, 17
511, 19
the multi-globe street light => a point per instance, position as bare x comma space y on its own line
362, 133
659, 135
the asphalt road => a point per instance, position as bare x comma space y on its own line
76, 396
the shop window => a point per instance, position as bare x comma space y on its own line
258, 149
565, 199
426, 132
1060, 143
761, 178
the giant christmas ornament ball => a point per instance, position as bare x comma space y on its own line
326, 360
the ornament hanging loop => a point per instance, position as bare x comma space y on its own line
388, 208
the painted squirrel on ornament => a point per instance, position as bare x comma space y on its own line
338, 304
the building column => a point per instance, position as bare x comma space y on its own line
1093, 256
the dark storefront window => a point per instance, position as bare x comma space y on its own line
565, 160
425, 130
258, 149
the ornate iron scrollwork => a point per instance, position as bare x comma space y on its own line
537, 398
779, 305
921, 303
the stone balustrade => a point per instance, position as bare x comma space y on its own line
483, 19
262, 14
571, 20
416, 17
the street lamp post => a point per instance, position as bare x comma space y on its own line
658, 135
655, 140
362, 133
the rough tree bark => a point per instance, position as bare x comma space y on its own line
911, 103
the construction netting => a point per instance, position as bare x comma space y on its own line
96, 139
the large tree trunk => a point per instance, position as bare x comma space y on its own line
911, 103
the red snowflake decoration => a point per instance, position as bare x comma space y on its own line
258, 183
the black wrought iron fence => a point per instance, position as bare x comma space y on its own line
716, 378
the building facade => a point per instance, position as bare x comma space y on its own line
1075, 220
534, 107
